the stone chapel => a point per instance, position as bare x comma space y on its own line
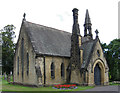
48, 56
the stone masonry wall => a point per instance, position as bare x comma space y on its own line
57, 63
31, 78
98, 58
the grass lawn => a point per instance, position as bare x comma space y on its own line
9, 87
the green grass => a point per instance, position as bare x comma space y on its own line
10, 87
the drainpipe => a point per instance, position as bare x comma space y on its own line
44, 71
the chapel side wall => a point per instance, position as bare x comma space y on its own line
96, 58
57, 63
31, 78
40, 63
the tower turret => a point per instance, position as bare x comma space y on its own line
75, 60
87, 25
75, 41
76, 37
76, 29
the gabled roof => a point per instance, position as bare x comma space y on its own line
47, 40
88, 48
51, 41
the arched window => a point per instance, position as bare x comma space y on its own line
52, 71
22, 56
18, 65
62, 70
27, 63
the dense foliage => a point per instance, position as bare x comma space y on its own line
112, 54
8, 48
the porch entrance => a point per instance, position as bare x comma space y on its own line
97, 75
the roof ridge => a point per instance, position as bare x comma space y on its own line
55, 29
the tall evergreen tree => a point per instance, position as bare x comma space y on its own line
8, 48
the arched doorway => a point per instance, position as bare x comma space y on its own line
97, 75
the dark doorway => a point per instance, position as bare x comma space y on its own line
97, 75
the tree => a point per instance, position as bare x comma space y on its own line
8, 48
112, 54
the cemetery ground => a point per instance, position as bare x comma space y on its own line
19, 88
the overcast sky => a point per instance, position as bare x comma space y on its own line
58, 14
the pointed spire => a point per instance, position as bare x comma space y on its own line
87, 18
87, 25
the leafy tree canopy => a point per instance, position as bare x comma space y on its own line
112, 54
8, 48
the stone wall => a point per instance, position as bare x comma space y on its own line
98, 58
76, 77
31, 77
57, 63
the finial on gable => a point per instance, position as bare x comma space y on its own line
24, 15
96, 31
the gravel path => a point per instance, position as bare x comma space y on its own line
100, 89
104, 88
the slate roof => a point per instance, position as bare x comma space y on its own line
51, 41
87, 47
